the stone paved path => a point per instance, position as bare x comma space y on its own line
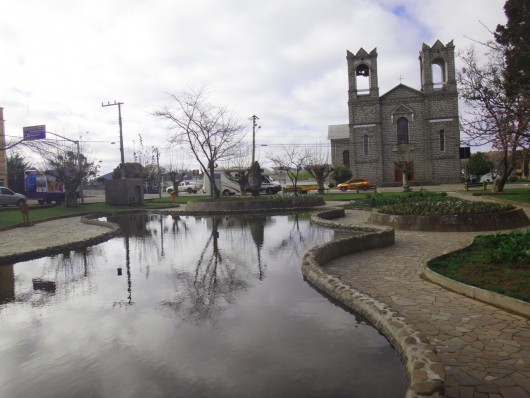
485, 350
46, 235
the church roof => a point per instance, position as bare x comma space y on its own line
338, 131
404, 88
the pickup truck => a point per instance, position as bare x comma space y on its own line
188, 186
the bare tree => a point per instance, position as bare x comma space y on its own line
211, 133
404, 163
71, 168
292, 159
493, 117
319, 167
39, 147
177, 171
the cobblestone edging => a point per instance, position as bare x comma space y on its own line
425, 371
498, 300
509, 219
113, 230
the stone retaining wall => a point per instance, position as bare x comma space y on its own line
242, 206
424, 369
510, 219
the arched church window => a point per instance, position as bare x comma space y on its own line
442, 141
402, 130
346, 158
438, 73
366, 145
362, 79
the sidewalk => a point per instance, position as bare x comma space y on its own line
485, 351
49, 236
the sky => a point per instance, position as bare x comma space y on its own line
281, 60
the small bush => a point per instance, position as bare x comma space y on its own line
511, 249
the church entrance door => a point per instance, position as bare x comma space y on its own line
398, 175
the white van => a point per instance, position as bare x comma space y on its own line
228, 184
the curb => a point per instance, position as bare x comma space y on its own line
506, 303
425, 371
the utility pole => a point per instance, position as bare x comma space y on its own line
254, 125
157, 152
122, 164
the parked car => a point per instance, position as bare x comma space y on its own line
8, 197
188, 186
354, 184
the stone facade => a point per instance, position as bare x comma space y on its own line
419, 127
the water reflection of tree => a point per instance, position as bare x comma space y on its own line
149, 233
256, 225
216, 282
300, 239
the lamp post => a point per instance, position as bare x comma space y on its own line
122, 164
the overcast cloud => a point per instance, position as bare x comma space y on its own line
282, 60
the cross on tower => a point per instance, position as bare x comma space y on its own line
401, 79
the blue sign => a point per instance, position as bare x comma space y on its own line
34, 132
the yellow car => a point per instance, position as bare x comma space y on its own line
355, 184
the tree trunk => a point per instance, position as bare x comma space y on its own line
70, 199
405, 174
320, 186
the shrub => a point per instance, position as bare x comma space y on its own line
424, 203
511, 249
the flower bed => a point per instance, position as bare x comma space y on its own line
434, 211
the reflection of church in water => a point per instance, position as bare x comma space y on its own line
404, 124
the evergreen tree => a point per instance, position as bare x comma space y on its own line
16, 165
479, 164
515, 39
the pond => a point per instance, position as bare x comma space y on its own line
190, 307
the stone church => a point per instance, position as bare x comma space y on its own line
403, 126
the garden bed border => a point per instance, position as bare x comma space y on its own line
502, 220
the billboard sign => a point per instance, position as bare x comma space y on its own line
34, 132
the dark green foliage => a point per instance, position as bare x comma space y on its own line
15, 172
511, 249
425, 203
499, 263
132, 170
71, 168
479, 164
254, 178
341, 173
515, 39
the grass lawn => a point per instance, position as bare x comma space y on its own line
499, 263
520, 195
